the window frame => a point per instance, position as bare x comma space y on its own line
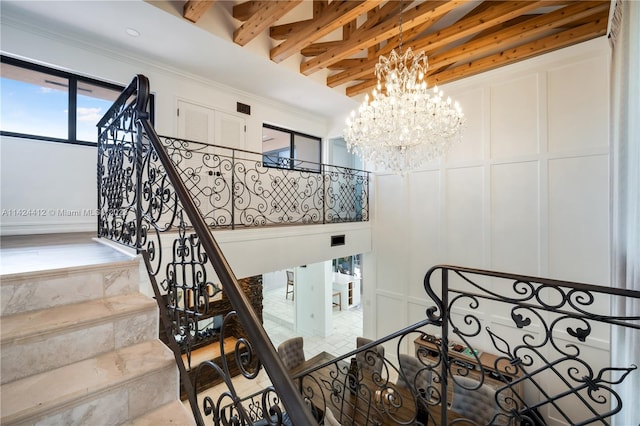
291, 160
72, 89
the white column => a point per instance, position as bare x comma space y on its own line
313, 299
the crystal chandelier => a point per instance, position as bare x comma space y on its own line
404, 125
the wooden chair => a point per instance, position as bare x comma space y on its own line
290, 286
337, 294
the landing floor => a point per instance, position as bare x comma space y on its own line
27, 253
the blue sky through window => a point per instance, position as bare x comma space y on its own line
36, 103
89, 111
34, 109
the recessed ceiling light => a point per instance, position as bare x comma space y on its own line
132, 32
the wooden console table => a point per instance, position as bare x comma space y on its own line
497, 376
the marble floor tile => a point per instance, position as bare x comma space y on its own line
278, 318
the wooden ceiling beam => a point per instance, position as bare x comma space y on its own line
347, 63
534, 26
424, 12
336, 15
492, 15
316, 49
362, 87
597, 27
378, 16
284, 31
348, 29
498, 13
560, 40
270, 12
194, 9
244, 11
319, 6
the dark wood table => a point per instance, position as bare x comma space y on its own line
369, 402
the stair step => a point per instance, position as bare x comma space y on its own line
108, 389
174, 413
31, 291
42, 340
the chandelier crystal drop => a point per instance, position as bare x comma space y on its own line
404, 125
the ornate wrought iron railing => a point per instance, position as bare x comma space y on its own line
495, 348
234, 187
550, 338
141, 196
534, 342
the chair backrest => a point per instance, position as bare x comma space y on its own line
413, 374
291, 352
474, 400
290, 277
372, 359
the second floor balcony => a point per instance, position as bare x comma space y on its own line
235, 188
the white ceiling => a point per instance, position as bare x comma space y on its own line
204, 49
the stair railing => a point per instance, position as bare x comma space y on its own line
543, 333
530, 340
141, 195
537, 335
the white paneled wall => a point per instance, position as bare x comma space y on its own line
527, 191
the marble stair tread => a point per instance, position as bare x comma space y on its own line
31, 399
39, 256
35, 324
35, 290
173, 413
37, 341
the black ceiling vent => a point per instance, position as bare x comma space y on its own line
243, 108
337, 240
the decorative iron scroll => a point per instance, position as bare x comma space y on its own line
118, 170
539, 329
144, 204
234, 187
544, 333
357, 388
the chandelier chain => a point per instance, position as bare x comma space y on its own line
400, 34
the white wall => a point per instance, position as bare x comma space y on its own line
313, 299
527, 190
69, 172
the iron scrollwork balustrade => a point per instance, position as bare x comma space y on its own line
537, 328
359, 388
233, 187
117, 174
143, 204
546, 334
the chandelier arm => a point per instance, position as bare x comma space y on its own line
403, 125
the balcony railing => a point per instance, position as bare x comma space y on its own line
238, 188
536, 349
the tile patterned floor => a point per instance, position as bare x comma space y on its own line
278, 322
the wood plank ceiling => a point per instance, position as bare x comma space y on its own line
461, 38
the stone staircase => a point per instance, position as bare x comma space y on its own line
79, 346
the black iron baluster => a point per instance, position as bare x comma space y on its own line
284, 385
233, 189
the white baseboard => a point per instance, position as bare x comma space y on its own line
45, 228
